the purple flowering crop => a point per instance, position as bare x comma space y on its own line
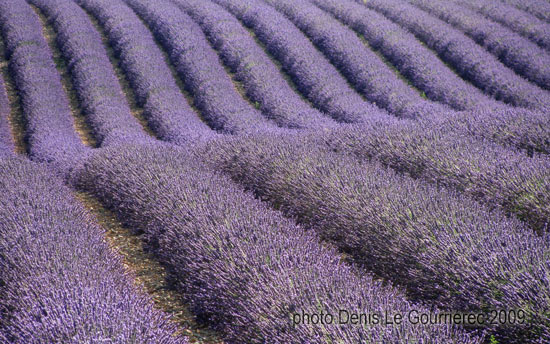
199, 66
445, 156
521, 22
6, 142
470, 60
166, 109
315, 77
50, 131
59, 280
538, 8
239, 264
416, 62
260, 77
99, 92
516, 52
360, 65
443, 247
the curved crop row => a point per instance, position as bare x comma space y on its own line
199, 66
469, 59
260, 77
166, 109
443, 155
523, 23
59, 280
315, 77
538, 8
440, 245
416, 62
515, 127
360, 65
238, 263
98, 89
50, 127
520, 55
6, 142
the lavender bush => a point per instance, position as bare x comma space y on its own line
6, 142
417, 63
443, 247
50, 131
315, 77
521, 22
167, 111
240, 265
60, 282
538, 8
522, 56
200, 68
440, 154
96, 85
515, 127
360, 65
471, 61
260, 77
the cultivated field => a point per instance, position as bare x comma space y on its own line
275, 171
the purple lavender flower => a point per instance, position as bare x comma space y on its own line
315, 77
167, 111
60, 282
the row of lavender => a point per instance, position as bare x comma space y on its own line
483, 170
242, 266
524, 129
470, 60
259, 75
520, 21
519, 54
60, 281
199, 67
446, 249
317, 79
50, 133
98, 89
370, 76
168, 113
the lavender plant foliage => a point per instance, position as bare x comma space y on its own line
96, 85
6, 142
239, 264
260, 77
441, 154
538, 8
521, 22
512, 127
60, 282
167, 111
315, 77
360, 65
522, 56
471, 61
417, 63
50, 132
443, 247
200, 68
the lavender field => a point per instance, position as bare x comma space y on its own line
275, 171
